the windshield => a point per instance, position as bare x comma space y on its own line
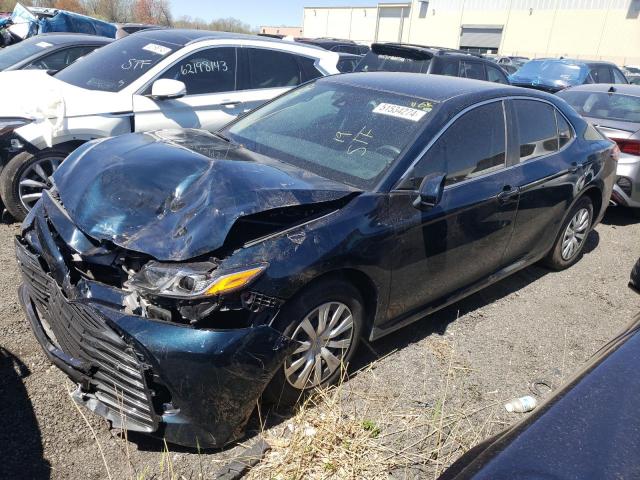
625, 108
341, 132
117, 65
549, 72
13, 54
373, 62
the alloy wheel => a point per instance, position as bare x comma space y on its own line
325, 335
575, 234
35, 179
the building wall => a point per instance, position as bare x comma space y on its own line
354, 23
593, 29
292, 31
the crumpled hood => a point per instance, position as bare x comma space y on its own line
155, 194
36, 94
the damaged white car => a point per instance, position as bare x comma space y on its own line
153, 79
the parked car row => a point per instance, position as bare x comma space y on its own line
189, 218
152, 79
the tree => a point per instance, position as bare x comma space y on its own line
154, 12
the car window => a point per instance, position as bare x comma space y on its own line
347, 65
536, 128
495, 75
473, 70
450, 68
618, 77
372, 62
308, 66
115, 66
604, 105
345, 49
474, 145
60, 59
348, 134
565, 133
206, 71
271, 69
601, 74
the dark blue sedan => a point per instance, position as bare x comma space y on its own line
177, 276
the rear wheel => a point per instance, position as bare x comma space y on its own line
25, 177
326, 320
569, 245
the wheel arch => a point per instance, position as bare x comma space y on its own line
362, 282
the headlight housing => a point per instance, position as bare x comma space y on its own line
10, 124
191, 280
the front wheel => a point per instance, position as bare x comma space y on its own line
326, 320
25, 177
571, 240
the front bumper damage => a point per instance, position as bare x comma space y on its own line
193, 387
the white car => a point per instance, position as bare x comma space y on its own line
150, 80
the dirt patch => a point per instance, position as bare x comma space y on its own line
422, 396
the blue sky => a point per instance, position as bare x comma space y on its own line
256, 12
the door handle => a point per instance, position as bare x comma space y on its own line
230, 103
507, 193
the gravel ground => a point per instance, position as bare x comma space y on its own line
480, 351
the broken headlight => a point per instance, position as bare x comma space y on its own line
191, 280
10, 124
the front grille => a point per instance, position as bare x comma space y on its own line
118, 378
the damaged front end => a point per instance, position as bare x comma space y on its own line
182, 351
137, 286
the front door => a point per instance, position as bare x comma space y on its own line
212, 99
461, 240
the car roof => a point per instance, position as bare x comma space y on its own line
433, 87
344, 55
574, 61
60, 38
606, 88
426, 48
183, 37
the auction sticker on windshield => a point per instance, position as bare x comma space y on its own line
155, 48
399, 111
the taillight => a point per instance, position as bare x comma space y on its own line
632, 147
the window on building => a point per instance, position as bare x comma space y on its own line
424, 9
536, 128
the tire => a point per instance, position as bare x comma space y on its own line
562, 255
22, 166
336, 293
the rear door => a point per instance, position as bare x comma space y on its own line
270, 73
545, 173
462, 240
212, 100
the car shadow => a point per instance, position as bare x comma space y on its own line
20, 438
369, 352
620, 217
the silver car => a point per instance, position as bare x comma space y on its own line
615, 110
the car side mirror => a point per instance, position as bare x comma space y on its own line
430, 192
634, 281
165, 88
